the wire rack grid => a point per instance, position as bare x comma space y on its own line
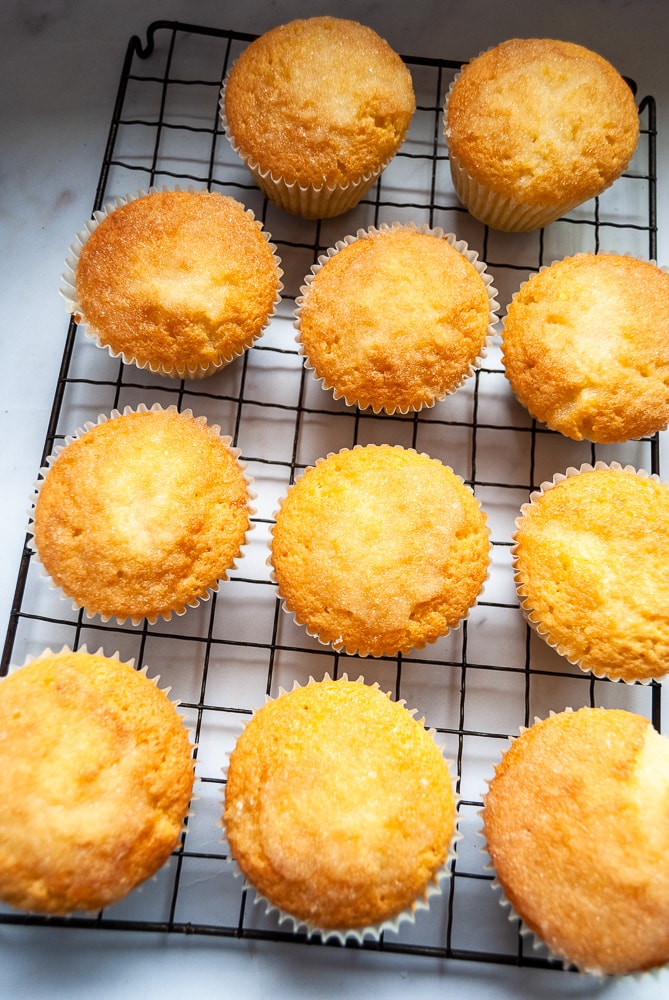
477, 685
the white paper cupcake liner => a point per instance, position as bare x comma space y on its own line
309, 201
463, 248
373, 932
341, 645
68, 292
530, 615
178, 611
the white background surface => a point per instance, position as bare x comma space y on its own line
59, 66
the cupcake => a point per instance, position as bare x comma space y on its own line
379, 550
339, 809
316, 109
396, 318
586, 347
534, 127
180, 282
591, 564
575, 821
97, 775
142, 514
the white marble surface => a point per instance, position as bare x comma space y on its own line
59, 65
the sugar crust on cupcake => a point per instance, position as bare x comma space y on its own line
181, 282
339, 807
575, 821
591, 564
316, 108
586, 347
142, 514
396, 318
535, 127
379, 550
97, 775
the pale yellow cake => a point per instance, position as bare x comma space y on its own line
591, 562
181, 282
576, 821
97, 775
586, 347
317, 108
339, 806
534, 127
396, 318
142, 515
379, 549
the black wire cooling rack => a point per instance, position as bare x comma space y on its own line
476, 686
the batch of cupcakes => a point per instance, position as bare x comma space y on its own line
340, 808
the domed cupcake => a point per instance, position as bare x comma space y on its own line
534, 127
339, 809
142, 514
316, 109
180, 282
396, 318
586, 347
591, 563
97, 775
379, 550
575, 821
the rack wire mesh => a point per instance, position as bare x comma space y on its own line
476, 686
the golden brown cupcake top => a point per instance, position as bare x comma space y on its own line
320, 101
379, 549
178, 281
576, 821
339, 806
542, 121
96, 779
142, 514
586, 347
591, 561
395, 319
